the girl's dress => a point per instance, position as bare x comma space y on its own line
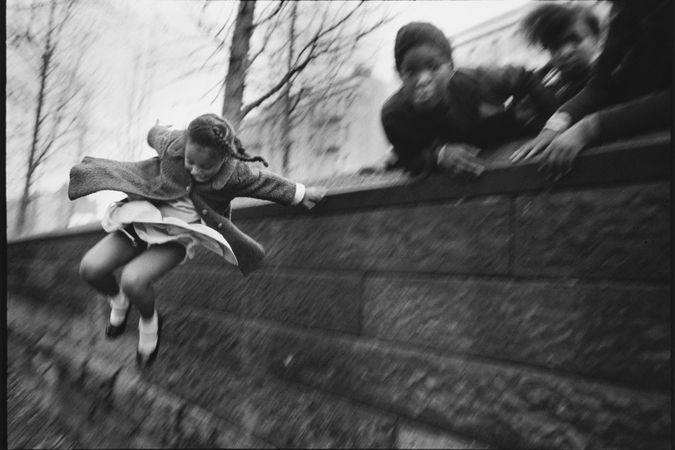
167, 221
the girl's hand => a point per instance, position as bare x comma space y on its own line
460, 159
313, 196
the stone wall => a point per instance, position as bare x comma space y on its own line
500, 312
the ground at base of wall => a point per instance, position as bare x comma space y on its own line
35, 421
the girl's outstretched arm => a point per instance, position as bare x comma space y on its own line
252, 182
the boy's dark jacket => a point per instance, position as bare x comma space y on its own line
165, 178
487, 106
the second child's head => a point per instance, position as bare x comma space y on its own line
570, 33
424, 62
210, 144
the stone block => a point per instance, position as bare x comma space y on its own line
99, 376
278, 413
125, 393
618, 232
156, 411
199, 428
440, 237
49, 284
315, 299
69, 250
413, 436
499, 404
617, 331
502, 405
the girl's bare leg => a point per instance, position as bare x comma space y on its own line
139, 274
99, 263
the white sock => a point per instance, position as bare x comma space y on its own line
147, 334
119, 305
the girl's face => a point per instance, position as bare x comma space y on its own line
203, 162
426, 71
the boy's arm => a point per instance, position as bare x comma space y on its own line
412, 140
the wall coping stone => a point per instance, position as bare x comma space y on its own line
653, 151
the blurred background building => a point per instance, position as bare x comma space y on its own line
338, 135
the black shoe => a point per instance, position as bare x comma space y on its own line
146, 361
113, 331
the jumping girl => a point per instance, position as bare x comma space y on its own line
175, 202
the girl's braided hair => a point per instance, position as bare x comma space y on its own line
215, 131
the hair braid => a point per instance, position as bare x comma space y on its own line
243, 156
221, 135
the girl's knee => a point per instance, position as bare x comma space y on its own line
134, 284
91, 270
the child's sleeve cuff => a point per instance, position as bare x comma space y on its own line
299, 193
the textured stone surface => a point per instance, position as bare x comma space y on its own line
45, 281
621, 232
75, 417
442, 237
100, 380
616, 331
68, 250
30, 423
242, 394
283, 415
413, 436
323, 300
503, 405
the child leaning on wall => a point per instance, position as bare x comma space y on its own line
176, 201
629, 91
442, 116
571, 35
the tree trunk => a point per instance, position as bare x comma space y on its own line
44, 74
238, 65
286, 121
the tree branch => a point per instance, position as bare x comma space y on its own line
276, 11
254, 104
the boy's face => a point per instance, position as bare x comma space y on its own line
577, 50
426, 71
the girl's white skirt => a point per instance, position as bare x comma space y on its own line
154, 228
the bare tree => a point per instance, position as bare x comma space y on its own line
287, 118
329, 36
56, 76
238, 66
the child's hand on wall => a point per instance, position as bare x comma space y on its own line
313, 196
460, 159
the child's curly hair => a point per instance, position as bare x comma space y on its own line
546, 24
215, 131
